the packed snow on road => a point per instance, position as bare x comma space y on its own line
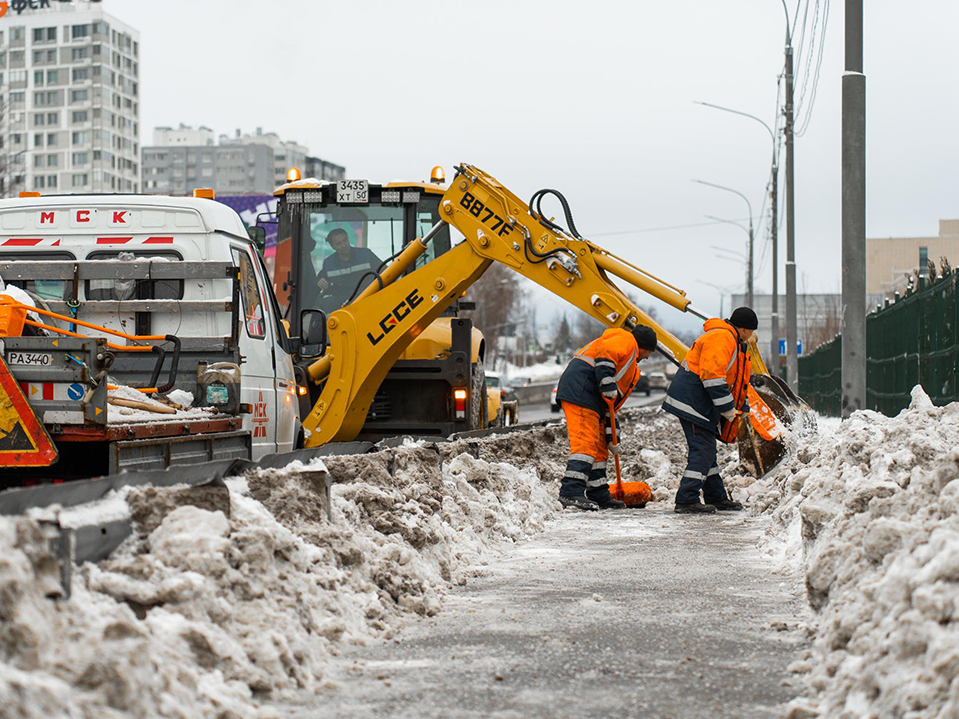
227, 600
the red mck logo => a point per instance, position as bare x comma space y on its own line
4, 6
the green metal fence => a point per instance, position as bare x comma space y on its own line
908, 342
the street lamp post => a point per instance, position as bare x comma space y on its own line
774, 230
749, 270
746, 260
792, 335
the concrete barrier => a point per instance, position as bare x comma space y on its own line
534, 393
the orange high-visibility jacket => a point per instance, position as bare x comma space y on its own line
607, 362
713, 379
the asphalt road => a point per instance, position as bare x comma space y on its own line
537, 412
635, 613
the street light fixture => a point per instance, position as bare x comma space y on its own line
774, 226
749, 270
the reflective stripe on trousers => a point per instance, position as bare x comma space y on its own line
586, 466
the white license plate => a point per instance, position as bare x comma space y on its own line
35, 359
353, 191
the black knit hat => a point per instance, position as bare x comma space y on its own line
645, 337
744, 318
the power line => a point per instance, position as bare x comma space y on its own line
812, 98
660, 229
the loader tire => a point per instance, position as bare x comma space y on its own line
478, 402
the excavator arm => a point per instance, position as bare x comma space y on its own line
367, 336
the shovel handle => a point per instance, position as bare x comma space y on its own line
612, 427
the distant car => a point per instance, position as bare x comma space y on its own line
508, 412
657, 380
643, 385
553, 402
520, 381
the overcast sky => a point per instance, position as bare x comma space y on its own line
595, 99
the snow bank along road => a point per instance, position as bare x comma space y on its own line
242, 600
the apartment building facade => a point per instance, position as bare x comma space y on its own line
69, 82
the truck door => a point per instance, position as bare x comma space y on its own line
258, 385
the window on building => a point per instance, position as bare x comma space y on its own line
39, 34
16, 138
16, 97
79, 116
38, 140
52, 181
39, 160
53, 118
80, 73
52, 139
38, 78
38, 182
78, 53
53, 77
17, 58
53, 160
16, 33
97, 49
80, 138
18, 76
80, 158
80, 180
78, 31
79, 95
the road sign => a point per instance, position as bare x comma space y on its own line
782, 346
24, 440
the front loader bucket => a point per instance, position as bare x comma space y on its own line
759, 455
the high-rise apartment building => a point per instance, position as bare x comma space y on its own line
70, 85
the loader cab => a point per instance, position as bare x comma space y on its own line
378, 221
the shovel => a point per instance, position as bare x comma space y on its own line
634, 494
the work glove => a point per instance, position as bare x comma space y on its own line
729, 415
610, 396
614, 450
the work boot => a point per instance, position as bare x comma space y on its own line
728, 505
587, 505
694, 508
610, 503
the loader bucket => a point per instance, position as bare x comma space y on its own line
758, 454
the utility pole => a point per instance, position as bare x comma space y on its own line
853, 216
792, 336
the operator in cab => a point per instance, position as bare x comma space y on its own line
708, 390
605, 369
342, 271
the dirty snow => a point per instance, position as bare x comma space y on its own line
227, 599
133, 415
228, 596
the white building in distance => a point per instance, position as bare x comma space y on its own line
71, 98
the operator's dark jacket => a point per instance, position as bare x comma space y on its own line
702, 388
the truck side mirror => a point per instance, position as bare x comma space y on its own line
258, 235
313, 337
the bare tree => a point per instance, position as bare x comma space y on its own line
498, 301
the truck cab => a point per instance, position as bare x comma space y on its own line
146, 266
437, 386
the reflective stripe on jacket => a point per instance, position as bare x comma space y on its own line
713, 379
608, 362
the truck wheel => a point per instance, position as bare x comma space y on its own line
478, 401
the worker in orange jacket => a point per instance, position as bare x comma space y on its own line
605, 369
706, 394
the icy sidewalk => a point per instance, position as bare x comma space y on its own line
632, 613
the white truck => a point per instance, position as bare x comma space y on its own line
181, 271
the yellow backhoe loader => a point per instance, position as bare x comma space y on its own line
351, 349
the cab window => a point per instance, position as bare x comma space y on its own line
250, 296
134, 289
58, 290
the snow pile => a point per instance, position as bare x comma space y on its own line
542, 372
229, 593
870, 513
117, 414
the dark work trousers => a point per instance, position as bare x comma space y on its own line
702, 473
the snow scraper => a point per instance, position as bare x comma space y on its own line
634, 494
